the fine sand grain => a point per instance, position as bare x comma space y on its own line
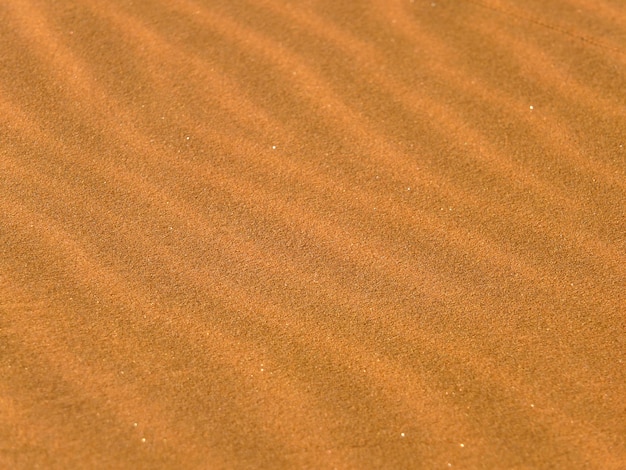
312, 234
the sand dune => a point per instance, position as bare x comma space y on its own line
317, 234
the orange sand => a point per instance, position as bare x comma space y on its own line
312, 234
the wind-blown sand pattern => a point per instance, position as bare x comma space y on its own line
313, 234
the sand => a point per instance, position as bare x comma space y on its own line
312, 234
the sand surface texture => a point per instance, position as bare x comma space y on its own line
312, 234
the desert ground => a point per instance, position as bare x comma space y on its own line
352, 234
